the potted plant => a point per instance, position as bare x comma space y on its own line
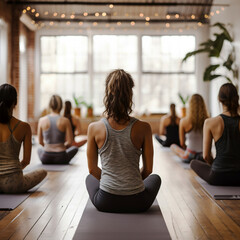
89, 108
214, 49
77, 109
184, 101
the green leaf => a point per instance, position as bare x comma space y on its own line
194, 53
211, 77
208, 72
225, 31
229, 62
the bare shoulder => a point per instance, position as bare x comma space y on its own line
96, 126
211, 122
142, 126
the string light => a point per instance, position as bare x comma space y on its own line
24, 11
80, 23
37, 15
104, 14
168, 16
156, 14
177, 15
85, 14
212, 13
96, 14
141, 15
28, 8
51, 23
206, 16
147, 19
55, 14
132, 23
33, 10
217, 12
193, 16
199, 24
222, 8
63, 15
111, 6
72, 16
46, 13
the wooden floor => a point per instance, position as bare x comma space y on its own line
54, 211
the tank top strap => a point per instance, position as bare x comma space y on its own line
12, 130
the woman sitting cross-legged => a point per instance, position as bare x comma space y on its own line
120, 186
75, 124
225, 131
55, 135
13, 133
169, 127
191, 129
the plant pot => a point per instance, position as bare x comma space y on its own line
90, 112
77, 112
183, 112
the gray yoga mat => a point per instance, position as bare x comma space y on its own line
220, 192
11, 201
178, 160
94, 225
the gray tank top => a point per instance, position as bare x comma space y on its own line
53, 135
195, 141
9, 154
120, 162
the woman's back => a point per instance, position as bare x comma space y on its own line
120, 161
227, 146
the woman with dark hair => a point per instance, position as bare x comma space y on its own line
225, 131
13, 133
169, 127
75, 123
191, 130
55, 135
120, 186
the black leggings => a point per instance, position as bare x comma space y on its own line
57, 157
166, 143
204, 171
107, 202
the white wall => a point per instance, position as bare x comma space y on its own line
231, 14
3, 52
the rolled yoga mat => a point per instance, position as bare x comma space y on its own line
11, 201
148, 225
220, 192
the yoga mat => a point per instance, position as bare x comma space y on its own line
220, 192
178, 160
52, 167
11, 201
94, 225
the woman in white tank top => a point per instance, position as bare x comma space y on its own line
191, 130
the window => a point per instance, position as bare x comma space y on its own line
64, 67
157, 69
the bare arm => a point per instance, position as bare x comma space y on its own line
92, 153
69, 134
39, 133
182, 133
207, 142
78, 126
147, 152
27, 146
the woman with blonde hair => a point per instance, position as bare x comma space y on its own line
224, 129
55, 135
191, 130
120, 186
14, 133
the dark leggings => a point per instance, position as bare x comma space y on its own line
166, 143
204, 171
57, 157
107, 202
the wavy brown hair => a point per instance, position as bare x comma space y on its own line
197, 112
228, 96
118, 95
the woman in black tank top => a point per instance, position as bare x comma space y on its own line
224, 129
